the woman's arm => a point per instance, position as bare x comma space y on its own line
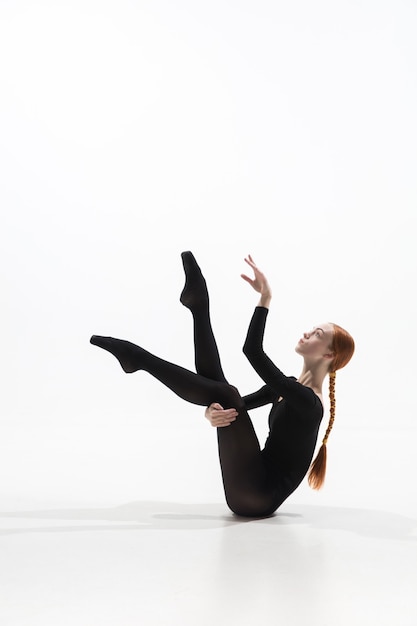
294, 392
220, 417
264, 395
287, 387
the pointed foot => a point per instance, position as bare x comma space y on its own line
128, 354
195, 292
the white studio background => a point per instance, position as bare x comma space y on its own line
131, 131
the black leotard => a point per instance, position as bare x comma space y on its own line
294, 420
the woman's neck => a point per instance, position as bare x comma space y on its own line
313, 377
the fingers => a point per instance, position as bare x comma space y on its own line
248, 280
219, 418
223, 421
250, 261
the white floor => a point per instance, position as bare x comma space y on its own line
174, 563
346, 556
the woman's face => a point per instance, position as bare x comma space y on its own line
317, 342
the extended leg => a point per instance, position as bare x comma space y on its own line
195, 297
191, 387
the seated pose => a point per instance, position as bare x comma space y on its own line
256, 481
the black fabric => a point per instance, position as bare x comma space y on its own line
256, 481
294, 421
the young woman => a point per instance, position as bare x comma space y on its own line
256, 481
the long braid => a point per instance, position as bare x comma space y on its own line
318, 468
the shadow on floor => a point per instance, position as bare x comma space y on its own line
202, 516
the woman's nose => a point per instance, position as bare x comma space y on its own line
306, 335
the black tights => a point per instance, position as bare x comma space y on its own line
245, 478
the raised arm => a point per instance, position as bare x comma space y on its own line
295, 393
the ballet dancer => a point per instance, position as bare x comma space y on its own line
256, 481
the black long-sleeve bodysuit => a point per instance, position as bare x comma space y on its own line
256, 481
294, 419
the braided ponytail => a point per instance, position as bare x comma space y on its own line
317, 471
343, 347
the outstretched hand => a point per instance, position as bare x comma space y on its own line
259, 282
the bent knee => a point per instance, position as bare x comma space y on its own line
230, 397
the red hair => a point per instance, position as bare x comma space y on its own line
343, 348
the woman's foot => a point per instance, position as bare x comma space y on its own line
195, 292
128, 354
